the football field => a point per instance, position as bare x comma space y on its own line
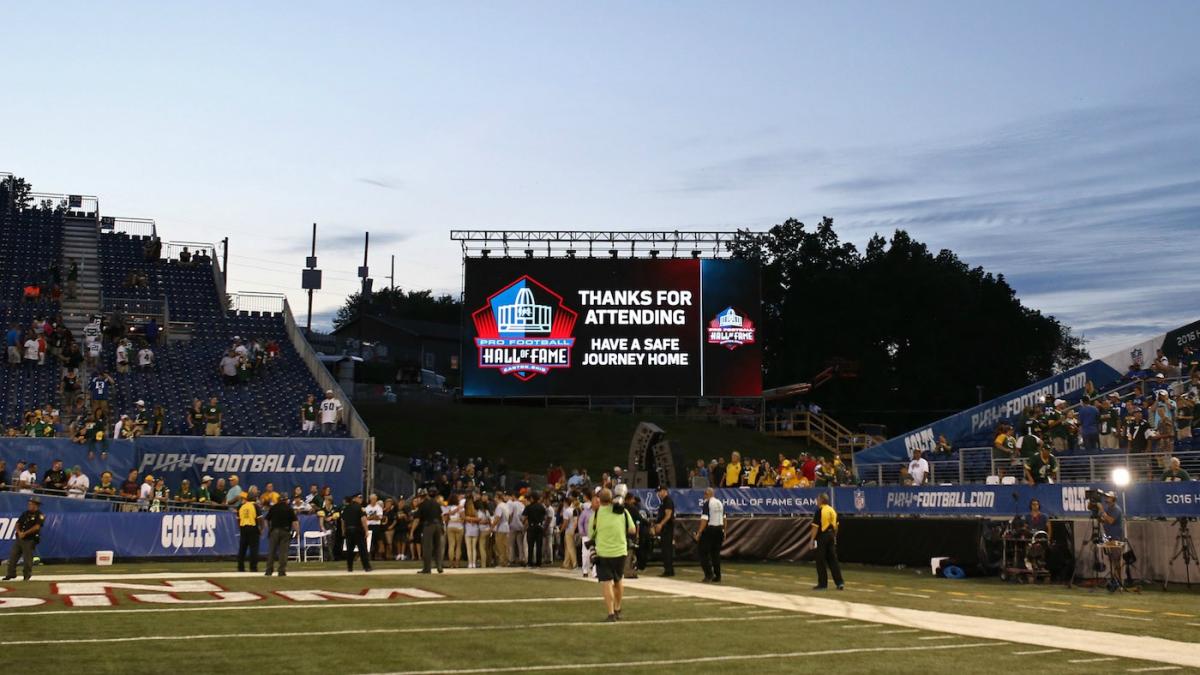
762, 618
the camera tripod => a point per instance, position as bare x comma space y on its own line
1104, 571
1184, 548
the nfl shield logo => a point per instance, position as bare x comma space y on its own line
860, 500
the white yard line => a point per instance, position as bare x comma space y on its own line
374, 631
1036, 651
1152, 669
1095, 660
606, 665
938, 637
911, 595
900, 631
319, 605
1122, 616
1138, 647
292, 572
1042, 609
972, 602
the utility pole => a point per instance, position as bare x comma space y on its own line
392, 276
312, 263
225, 259
364, 297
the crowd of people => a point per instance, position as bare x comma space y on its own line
803, 471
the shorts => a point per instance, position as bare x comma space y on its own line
609, 569
212, 429
14, 355
308, 425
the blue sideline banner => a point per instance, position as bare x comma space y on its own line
286, 462
1141, 500
136, 535
16, 502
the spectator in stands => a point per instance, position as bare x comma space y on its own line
78, 484
1053, 424
106, 489
1175, 472
331, 413
55, 478
123, 429
1137, 431
158, 421
185, 494
234, 492
219, 496
123, 350
943, 446
28, 478
826, 474
1162, 420
228, 368
70, 387
214, 416
733, 470
185, 257
3, 475
72, 278
150, 331
13, 343
1108, 423
918, 468
308, 419
193, 419
31, 351
130, 488
1071, 429
99, 388
905, 478
1042, 467
145, 358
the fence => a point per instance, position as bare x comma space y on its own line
975, 465
172, 249
137, 227
243, 301
72, 205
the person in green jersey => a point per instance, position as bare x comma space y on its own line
308, 414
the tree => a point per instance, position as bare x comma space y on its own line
400, 304
922, 330
15, 193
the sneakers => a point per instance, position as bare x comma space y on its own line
424, 572
612, 618
617, 614
841, 587
283, 574
820, 588
269, 573
10, 578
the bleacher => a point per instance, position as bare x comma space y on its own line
32, 243
266, 406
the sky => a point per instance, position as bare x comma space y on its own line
1055, 143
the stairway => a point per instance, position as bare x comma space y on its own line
79, 243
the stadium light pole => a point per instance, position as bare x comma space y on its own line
312, 264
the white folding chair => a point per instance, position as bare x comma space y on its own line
1008, 480
314, 539
993, 480
294, 551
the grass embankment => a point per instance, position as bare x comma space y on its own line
531, 438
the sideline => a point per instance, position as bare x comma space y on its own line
1136, 647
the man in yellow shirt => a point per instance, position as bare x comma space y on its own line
824, 534
248, 530
733, 470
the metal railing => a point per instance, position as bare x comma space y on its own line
136, 227
117, 501
243, 301
172, 249
72, 205
977, 465
135, 306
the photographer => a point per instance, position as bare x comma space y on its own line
608, 532
1112, 518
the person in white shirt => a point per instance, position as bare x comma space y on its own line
500, 529
918, 468
331, 413
146, 493
569, 522
121, 428
78, 484
31, 352
145, 357
585, 521
28, 479
711, 536
123, 356
485, 533
518, 547
470, 516
453, 513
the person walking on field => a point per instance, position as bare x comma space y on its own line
284, 525
824, 534
609, 532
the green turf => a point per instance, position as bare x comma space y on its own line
530, 438
527, 620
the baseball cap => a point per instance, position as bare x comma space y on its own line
140, 402
35, 499
206, 478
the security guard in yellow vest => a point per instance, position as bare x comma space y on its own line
824, 533
248, 529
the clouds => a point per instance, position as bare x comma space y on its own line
1090, 213
347, 241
